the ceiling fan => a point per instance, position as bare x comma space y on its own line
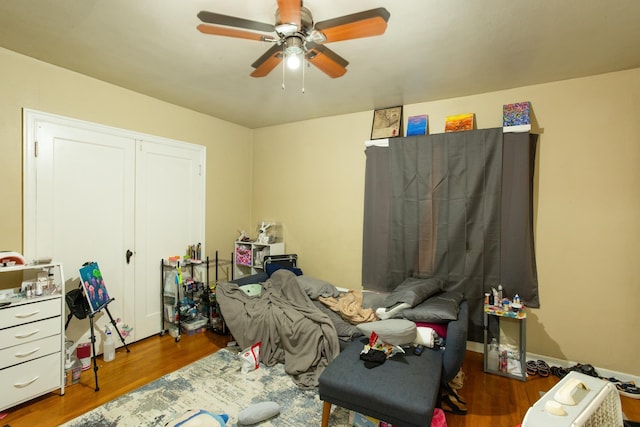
296, 35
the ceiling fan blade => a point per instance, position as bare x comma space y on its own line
357, 25
232, 32
290, 11
326, 60
232, 21
267, 62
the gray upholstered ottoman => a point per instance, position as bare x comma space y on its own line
403, 390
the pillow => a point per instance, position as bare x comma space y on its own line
373, 300
252, 289
271, 268
258, 412
391, 331
199, 418
315, 288
438, 309
413, 291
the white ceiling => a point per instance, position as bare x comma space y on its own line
432, 49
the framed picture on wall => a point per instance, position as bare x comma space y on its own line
387, 123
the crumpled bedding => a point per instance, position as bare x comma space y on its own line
291, 329
349, 306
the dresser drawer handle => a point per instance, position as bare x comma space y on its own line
27, 334
27, 353
26, 383
25, 315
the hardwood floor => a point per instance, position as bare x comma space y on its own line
148, 360
491, 400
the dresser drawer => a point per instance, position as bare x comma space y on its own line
29, 351
28, 380
30, 332
30, 312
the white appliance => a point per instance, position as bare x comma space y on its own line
578, 400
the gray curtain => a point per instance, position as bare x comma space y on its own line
377, 207
434, 208
518, 272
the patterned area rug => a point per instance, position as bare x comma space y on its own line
216, 384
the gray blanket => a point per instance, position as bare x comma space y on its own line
284, 320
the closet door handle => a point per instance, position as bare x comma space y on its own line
129, 255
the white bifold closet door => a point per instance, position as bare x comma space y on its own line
95, 193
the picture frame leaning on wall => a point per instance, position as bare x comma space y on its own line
387, 123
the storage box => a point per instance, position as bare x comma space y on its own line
358, 420
194, 326
582, 400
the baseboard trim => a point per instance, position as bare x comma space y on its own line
478, 347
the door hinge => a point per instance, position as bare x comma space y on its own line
35, 148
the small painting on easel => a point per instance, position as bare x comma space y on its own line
94, 287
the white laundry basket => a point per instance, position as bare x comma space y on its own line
582, 400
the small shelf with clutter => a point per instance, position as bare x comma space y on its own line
185, 293
504, 322
249, 253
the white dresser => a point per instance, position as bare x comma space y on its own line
31, 342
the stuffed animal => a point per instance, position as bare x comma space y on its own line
199, 418
243, 237
263, 237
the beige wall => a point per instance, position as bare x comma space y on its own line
310, 176
27, 83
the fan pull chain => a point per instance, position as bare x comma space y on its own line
304, 63
284, 66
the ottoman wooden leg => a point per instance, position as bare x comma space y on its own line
326, 411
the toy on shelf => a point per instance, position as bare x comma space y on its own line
244, 237
263, 236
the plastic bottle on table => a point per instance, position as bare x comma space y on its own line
109, 346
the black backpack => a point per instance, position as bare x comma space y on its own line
77, 303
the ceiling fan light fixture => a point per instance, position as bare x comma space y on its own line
293, 46
293, 50
293, 62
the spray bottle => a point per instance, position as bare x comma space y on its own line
109, 346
